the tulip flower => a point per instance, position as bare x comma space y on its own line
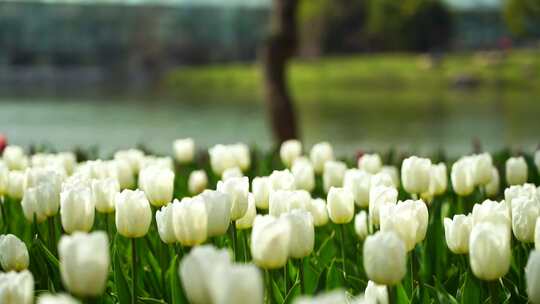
492, 188
133, 213
40, 201
197, 269
84, 263
121, 170
15, 186
415, 174
370, 163
184, 150
385, 258
361, 225
358, 183
158, 185
164, 221
439, 179
462, 176
197, 182
489, 250
457, 232
218, 210
15, 158
133, 156
304, 174
393, 173
238, 189
340, 204
282, 180
382, 179
190, 221
246, 221
289, 151
221, 158
379, 196
270, 241
537, 235
407, 219
13, 253
279, 202
532, 275
104, 192
481, 167
493, 212
318, 210
516, 171
233, 284
58, 298
77, 209
376, 293
525, 211
261, 186
333, 174
241, 154
321, 153
302, 231
231, 172
16, 287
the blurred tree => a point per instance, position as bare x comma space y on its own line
520, 14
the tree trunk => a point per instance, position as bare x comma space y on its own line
279, 48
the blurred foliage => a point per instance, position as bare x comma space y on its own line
521, 15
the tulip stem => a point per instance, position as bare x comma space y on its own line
342, 240
52, 234
286, 277
267, 294
233, 238
301, 275
4, 216
493, 292
133, 271
392, 299
245, 235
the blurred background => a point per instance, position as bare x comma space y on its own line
419, 75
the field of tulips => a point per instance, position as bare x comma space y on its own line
235, 225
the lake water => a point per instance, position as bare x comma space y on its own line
114, 123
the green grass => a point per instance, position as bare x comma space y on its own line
366, 78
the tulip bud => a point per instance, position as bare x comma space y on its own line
4, 178
492, 188
290, 150
31, 207
282, 180
133, 156
525, 190
317, 208
407, 219
133, 213
84, 262
69, 160
158, 185
491, 211
184, 150
164, 221
197, 182
361, 225
190, 221
103, 193
218, 210
385, 258
196, 271
378, 294
333, 174
462, 176
15, 187
270, 239
122, 171
393, 173
370, 163
516, 171
262, 186
304, 174
13, 253
481, 167
382, 179
233, 284
525, 211
457, 232
320, 154
439, 179
241, 154
231, 172
489, 250
379, 196
77, 209
15, 158
302, 231
340, 204
358, 183
532, 275
238, 189
415, 174
246, 221
58, 298
221, 158
16, 287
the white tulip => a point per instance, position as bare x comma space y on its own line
321, 153
197, 269
482, 165
31, 207
133, 156
77, 209
231, 172
261, 187
13, 253
164, 221
241, 154
492, 188
385, 258
58, 298
537, 235
221, 158
270, 239
121, 169
378, 294
15, 186
462, 176
489, 250
370, 163
516, 171
232, 284
84, 262
302, 231
190, 221
282, 180
133, 213
493, 212
525, 212
15, 158
532, 275
318, 210
289, 151
333, 174
340, 204
184, 150
197, 182
439, 179
42, 200
218, 210
104, 192
16, 287
359, 183
379, 196
382, 179
457, 232
393, 172
238, 189
407, 219
304, 174
246, 221
158, 185
361, 225
415, 174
